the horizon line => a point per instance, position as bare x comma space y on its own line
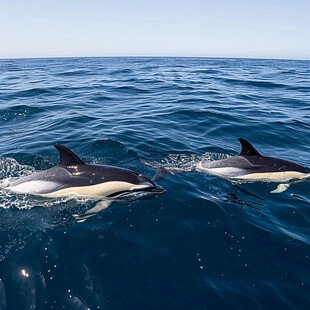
139, 56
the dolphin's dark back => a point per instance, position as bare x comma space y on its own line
268, 164
265, 163
84, 175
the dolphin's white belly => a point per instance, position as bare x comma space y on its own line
224, 172
35, 187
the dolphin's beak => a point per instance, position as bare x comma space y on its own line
156, 190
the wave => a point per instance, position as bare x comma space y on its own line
121, 72
32, 92
255, 83
75, 72
130, 89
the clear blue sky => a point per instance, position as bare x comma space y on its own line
221, 28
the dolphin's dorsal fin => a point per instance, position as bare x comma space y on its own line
247, 148
67, 157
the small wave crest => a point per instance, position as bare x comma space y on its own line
121, 72
75, 72
19, 112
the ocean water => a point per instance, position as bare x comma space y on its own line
206, 243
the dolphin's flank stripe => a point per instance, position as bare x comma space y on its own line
285, 175
98, 190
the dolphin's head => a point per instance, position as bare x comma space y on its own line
151, 186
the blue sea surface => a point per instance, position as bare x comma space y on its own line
206, 243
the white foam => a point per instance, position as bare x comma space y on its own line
184, 162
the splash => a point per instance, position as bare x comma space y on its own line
24, 211
184, 162
10, 168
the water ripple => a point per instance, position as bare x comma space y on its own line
206, 242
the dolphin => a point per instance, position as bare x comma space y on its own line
73, 176
250, 165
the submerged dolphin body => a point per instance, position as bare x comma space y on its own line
73, 176
250, 165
